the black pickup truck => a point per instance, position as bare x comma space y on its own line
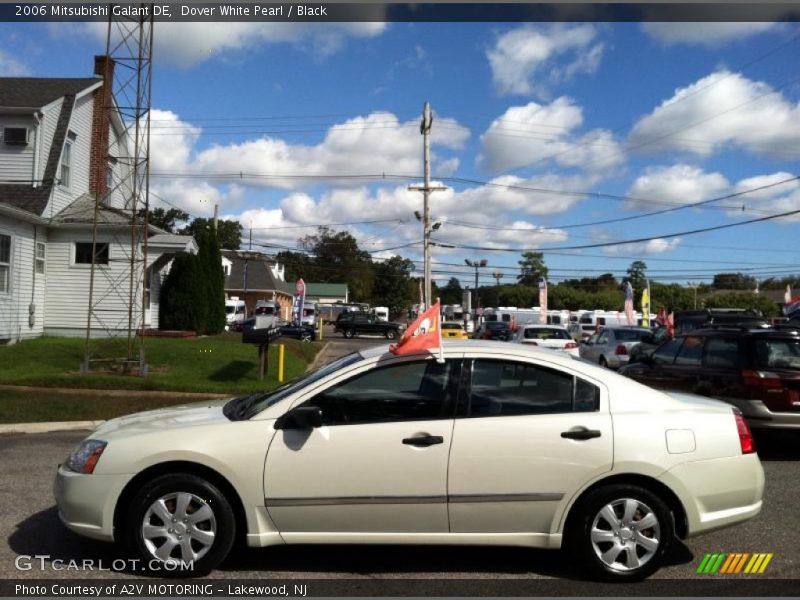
350, 324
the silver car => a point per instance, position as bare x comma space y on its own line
611, 346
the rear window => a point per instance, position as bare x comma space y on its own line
452, 326
630, 335
781, 354
542, 333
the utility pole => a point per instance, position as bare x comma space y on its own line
426, 189
216, 216
477, 264
497, 277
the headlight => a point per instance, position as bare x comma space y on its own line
84, 458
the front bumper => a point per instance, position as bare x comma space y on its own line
86, 502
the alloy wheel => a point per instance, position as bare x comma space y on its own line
178, 527
625, 534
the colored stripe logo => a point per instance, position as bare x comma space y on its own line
734, 563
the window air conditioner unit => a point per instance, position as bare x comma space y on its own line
15, 135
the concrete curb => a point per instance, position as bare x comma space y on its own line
319, 358
48, 427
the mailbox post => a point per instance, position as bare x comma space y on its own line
262, 337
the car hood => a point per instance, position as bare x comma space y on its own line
163, 419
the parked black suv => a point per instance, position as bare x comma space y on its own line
353, 323
757, 370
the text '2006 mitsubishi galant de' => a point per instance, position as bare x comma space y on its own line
489, 443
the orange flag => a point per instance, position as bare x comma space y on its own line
425, 333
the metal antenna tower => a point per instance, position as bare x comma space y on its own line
118, 291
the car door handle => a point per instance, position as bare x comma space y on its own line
424, 440
581, 434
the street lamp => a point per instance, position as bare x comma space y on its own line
477, 264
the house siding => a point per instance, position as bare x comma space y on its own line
16, 161
81, 125
26, 287
51, 113
68, 285
121, 186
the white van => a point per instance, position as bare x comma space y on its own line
235, 311
382, 312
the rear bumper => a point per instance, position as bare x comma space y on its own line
759, 416
718, 493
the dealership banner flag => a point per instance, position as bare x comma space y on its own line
425, 333
543, 302
646, 307
631, 318
299, 301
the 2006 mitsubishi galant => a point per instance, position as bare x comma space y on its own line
499, 444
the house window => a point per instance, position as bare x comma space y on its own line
5, 262
66, 161
41, 252
83, 253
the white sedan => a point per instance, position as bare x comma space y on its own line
498, 444
555, 337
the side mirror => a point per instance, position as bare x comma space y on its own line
302, 417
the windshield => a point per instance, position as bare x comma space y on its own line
241, 409
229, 310
630, 335
781, 354
542, 333
496, 325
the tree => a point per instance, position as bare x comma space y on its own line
165, 219
179, 305
338, 259
636, 275
733, 281
393, 285
452, 292
743, 300
213, 278
532, 268
229, 233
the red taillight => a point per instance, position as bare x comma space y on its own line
762, 379
746, 440
621, 350
570, 345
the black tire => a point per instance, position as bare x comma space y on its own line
349, 333
390, 334
649, 544
306, 337
203, 493
603, 362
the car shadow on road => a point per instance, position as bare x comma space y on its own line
777, 444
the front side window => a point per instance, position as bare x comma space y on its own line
83, 253
5, 263
502, 388
665, 353
422, 390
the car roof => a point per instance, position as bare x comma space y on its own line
543, 326
744, 331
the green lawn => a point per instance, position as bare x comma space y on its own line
24, 407
219, 364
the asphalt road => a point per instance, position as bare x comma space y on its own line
30, 526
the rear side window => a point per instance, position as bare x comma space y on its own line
504, 388
722, 353
777, 354
665, 354
691, 352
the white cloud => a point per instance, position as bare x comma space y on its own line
195, 197
536, 133
704, 34
678, 184
374, 144
10, 66
772, 200
722, 109
185, 44
522, 59
171, 141
656, 246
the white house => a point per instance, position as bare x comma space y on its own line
62, 144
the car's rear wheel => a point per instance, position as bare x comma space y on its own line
623, 532
180, 524
390, 334
349, 333
305, 336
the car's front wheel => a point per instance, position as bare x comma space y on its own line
180, 524
623, 532
349, 333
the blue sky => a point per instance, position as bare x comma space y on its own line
602, 120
